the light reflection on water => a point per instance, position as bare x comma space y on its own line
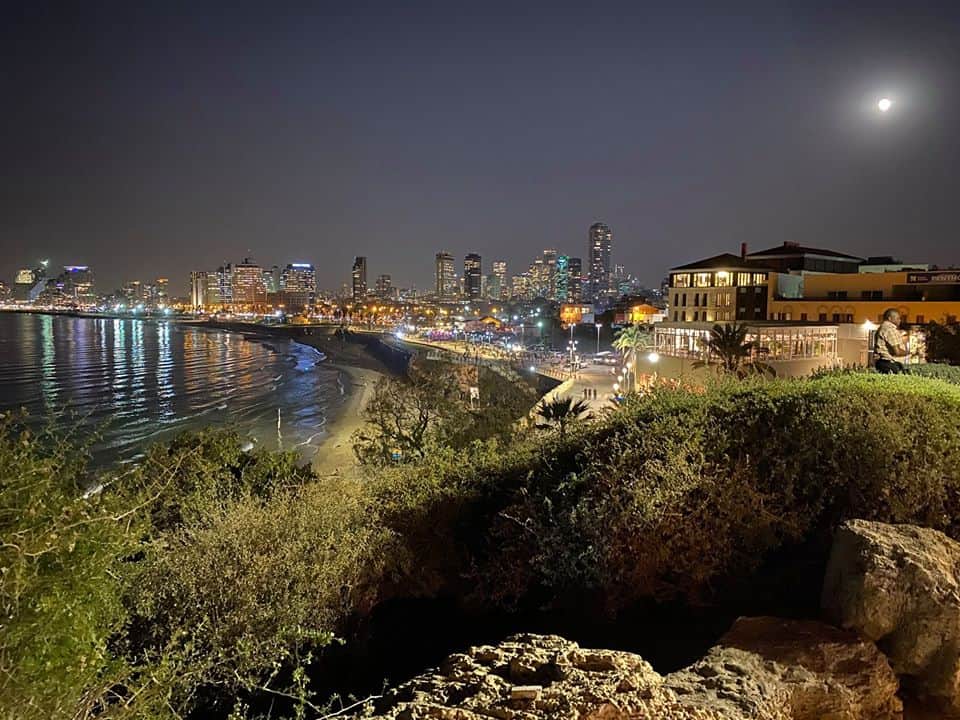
140, 381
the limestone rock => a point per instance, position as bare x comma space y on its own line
899, 585
803, 670
763, 669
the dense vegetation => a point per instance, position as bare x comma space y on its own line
943, 343
207, 579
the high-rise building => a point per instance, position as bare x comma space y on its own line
446, 277
492, 287
198, 289
213, 291
271, 279
298, 286
521, 286
600, 247
472, 277
224, 276
161, 291
384, 285
561, 283
574, 280
549, 273
133, 292
500, 273
77, 281
359, 278
30, 283
247, 284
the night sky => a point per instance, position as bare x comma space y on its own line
150, 139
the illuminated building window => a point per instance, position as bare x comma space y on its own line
681, 280
723, 279
743, 279
759, 278
701, 279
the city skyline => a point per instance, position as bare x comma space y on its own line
385, 132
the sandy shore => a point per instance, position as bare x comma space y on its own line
335, 455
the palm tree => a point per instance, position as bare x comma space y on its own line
630, 341
737, 355
560, 412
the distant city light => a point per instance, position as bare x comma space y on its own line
885, 104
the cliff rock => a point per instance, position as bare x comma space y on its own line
897, 585
763, 669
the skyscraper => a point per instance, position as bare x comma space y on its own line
271, 279
298, 286
225, 284
473, 276
561, 284
359, 278
600, 246
384, 285
198, 289
550, 274
446, 277
574, 279
500, 273
247, 284
77, 283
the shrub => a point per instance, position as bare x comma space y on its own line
236, 604
943, 343
940, 371
61, 555
680, 493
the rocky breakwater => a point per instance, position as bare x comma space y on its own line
899, 586
763, 669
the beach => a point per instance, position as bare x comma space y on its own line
360, 371
336, 453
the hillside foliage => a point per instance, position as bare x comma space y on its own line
206, 580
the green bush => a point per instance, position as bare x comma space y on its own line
230, 605
61, 556
940, 371
679, 493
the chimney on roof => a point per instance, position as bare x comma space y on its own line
743, 251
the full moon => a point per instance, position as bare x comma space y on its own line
884, 104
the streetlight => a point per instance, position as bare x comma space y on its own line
598, 325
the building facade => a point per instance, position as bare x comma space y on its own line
723, 288
198, 289
919, 296
473, 276
499, 276
599, 254
445, 274
247, 286
298, 286
359, 279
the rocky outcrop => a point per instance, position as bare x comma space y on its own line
898, 586
763, 669
817, 670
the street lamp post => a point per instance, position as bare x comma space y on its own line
599, 325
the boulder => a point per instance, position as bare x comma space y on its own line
763, 669
897, 585
814, 670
